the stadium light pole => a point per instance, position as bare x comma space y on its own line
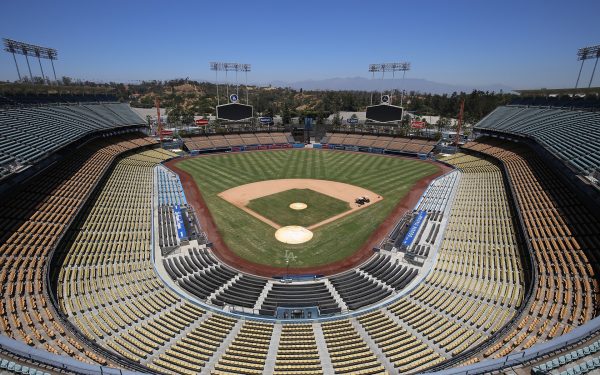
587, 53
26, 49
390, 67
230, 67
373, 68
595, 65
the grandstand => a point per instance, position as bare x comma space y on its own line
570, 135
224, 142
376, 143
31, 133
498, 256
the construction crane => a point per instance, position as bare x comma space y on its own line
460, 120
159, 128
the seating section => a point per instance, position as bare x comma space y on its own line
106, 285
348, 352
191, 353
563, 235
8, 99
8, 366
31, 133
580, 361
406, 145
167, 229
171, 197
224, 141
170, 190
32, 221
297, 352
403, 350
474, 288
357, 290
300, 295
374, 281
247, 353
571, 135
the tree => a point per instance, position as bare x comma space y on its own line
441, 123
286, 116
187, 117
336, 121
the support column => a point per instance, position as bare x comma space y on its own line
594, 71
579, 75
17, 66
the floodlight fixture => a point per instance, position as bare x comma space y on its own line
27, 49
219, 66
587, 53
393, 67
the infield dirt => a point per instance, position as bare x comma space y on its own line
241, 195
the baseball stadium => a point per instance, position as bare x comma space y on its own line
239, 245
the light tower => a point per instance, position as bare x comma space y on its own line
20, 48
390, 67
232, 110
230, 67
587, 53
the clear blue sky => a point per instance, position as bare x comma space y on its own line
518, 43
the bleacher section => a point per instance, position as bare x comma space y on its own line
230, 140
31, 133
32, 221
106, 284
475, 286
397, 144
571, 135
563, 236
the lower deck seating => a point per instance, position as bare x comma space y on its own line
578, 361
8, 366
300, 295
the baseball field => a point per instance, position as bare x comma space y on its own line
248, 228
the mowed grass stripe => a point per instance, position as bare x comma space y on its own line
254, 240
408, 175
344, 164
370, 165
384, 177
222, 177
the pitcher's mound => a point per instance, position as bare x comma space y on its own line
293, 234
298, 206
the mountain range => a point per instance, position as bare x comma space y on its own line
408, 84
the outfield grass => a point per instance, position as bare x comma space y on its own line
254, 240
276, 207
